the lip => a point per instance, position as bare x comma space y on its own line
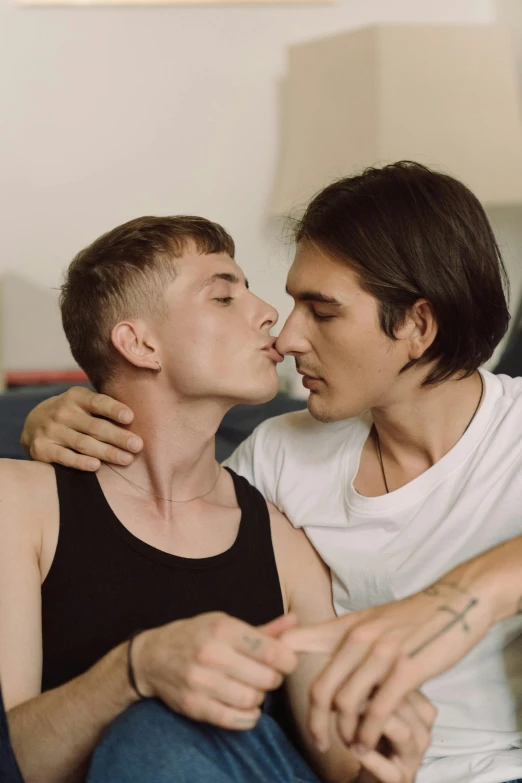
309, 381
271, 352
307, 375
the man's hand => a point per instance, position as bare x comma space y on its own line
67, 430
407, 736
381, 654
213, 667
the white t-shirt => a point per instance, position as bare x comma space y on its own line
388, 547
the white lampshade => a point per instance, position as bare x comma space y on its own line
444, 96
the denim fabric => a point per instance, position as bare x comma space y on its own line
9, 772
151, 744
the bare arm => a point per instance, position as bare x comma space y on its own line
211, 667
382, 653
52, 734
307, 587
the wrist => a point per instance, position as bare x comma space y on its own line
482, 579
139, 659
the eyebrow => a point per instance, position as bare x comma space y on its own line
314, 296
227, 276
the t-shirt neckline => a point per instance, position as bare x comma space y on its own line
418, 489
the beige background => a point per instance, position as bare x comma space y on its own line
109, 113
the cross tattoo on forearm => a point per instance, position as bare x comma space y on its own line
458, 617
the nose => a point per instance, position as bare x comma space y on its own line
292, 340
269, 315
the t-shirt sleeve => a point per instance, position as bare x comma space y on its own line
250, 461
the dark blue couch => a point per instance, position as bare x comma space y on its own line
236, 426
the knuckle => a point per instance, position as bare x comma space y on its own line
81, 443
362, 634
432, 713
376, 711
402, 669
276, 680
220, 624
223, 717
343, 703
249, 699
318, 694
192, 677
424, 741
98, 402
63, 415
385, 649
269, 656
204, 654
188, 702
38, 446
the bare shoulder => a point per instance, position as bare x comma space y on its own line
304, 577
285, 535
28, 499
24, 479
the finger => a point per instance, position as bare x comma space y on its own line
321, 638
103, 405
424, 709
91, 447
264, 649
72, 436
278, 626
351, 699
105, 432
400, 731
243, 668
226, 690
382, 768
324, 689
386, 701
202, 708
70, 459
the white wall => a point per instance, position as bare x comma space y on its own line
508, 222
113, 113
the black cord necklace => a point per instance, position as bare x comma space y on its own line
379, 452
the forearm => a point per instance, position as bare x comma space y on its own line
54, 734
495, 575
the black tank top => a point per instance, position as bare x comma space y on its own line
104, 583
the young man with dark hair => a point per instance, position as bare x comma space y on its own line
407, 463
170, 581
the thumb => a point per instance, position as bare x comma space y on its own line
276, 627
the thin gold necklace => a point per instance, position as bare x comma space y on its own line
469, 422
169, 500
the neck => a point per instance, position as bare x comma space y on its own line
419, 426
178, 458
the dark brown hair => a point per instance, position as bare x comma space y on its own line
122, 275
410, 233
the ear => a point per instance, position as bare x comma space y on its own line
419, 329
134, 341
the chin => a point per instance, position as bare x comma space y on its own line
327, 410
259, 393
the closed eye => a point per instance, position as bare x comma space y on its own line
322, 317
224, 300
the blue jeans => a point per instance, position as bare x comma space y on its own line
151, 744
9, 772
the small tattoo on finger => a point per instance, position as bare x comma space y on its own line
253, 644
